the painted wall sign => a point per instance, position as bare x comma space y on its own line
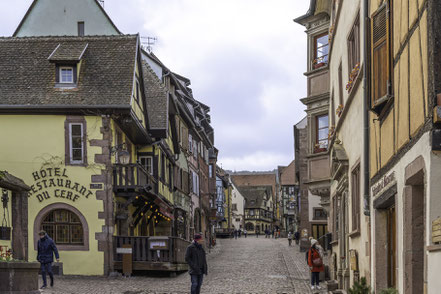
59, 185
383, 184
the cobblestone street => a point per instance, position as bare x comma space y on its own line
245, 265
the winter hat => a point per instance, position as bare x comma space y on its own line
313, 242
42, 233
197, 237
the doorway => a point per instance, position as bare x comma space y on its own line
391, 247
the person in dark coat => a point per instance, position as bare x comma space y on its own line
315, 262
46, 250
197, 262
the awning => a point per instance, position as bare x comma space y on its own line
164, 207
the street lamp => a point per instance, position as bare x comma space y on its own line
122, 154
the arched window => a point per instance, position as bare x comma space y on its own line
249, 227
64, 227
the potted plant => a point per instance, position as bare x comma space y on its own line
17, 276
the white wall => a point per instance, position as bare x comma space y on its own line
239, 200
61, 17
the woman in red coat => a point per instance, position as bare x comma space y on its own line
315, 262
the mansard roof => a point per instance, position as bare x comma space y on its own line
105, 77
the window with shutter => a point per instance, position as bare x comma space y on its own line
380, 58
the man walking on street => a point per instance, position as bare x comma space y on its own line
46, 250
289, 238
197, 262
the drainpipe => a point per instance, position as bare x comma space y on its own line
366, 111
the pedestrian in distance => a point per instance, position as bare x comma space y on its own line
235, 234
297, 237
240, 233
289, 238
196, 258
46, 249
245, 232
257, 233
315, 262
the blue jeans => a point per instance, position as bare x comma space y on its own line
315, 280
196, 283
47, 267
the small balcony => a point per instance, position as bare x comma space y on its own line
132, 178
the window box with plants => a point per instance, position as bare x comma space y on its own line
17, 276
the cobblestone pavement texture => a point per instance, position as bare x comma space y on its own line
245, 265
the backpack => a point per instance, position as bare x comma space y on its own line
317, 262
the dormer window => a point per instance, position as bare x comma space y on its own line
66, 75
67, 59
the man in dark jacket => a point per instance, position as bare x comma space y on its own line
196, 259
46, 250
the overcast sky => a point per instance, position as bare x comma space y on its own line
245, 59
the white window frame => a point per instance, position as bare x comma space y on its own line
70, 144
146, 166
61, 75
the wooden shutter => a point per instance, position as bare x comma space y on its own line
380, 55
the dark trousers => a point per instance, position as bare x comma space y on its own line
289, 241
47, 268
315, 280
196, 283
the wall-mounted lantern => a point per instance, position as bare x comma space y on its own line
122, 154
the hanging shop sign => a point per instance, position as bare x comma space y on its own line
56, 183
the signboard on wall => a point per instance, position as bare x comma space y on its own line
55, 183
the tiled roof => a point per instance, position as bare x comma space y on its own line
157, 100
68, 52
105, 77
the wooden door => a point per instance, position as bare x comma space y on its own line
391, 247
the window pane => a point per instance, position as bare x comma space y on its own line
66, 75
77, 155
49, 218
76, 142
76, 234
61, 216
62, 235
322, 41
323, 121
74, 218
76, 130
323, 134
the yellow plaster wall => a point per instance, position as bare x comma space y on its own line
416, 85
36, 142
387, 139
402, 99
413, 12
425, 58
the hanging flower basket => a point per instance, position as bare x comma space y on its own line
5, 233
